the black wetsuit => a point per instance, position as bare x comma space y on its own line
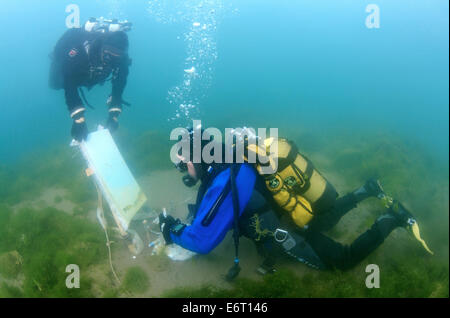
77, 61
312, 246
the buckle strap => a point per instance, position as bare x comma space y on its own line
77, 111
284, 235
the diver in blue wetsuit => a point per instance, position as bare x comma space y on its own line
233, 196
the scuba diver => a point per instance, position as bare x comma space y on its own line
236, 196
87, 56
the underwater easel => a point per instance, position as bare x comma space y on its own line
115, 183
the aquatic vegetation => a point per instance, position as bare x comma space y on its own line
83, 208
10, 264
158, 263
136, 280
401, 164
398, 280
48, 240
58, 199
405, 167
256, 224
111, 293
56, 168
9, 291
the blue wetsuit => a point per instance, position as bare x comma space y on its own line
214, 217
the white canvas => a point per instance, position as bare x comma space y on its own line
113, 177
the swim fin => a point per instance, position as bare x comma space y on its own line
416, 232
406, 219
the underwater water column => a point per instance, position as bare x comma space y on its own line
200, 19
116, 8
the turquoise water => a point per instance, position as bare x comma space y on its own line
359, 101
297, 64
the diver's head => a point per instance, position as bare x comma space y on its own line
114, 47
198, 169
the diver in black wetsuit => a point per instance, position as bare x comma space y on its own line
259, 219
87, 57
311, 246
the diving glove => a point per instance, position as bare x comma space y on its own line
115, 109
79, 128
168, 225
112, 122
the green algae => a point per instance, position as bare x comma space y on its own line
48, 239
136, 280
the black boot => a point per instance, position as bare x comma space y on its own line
372, 188
403, 216
386, 223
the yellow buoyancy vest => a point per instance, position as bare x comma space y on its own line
296, 186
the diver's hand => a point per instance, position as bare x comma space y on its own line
112, 123
165, 224
79, 128
115, 109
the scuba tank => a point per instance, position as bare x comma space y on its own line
296, 186
103, 25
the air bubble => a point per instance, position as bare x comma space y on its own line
201, 20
